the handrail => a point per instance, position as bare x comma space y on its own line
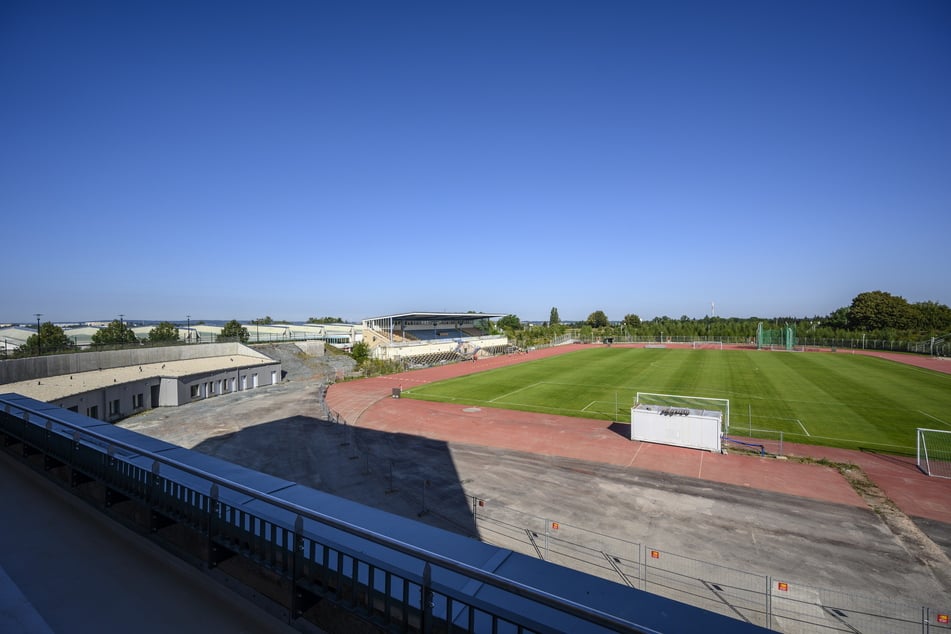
553, 601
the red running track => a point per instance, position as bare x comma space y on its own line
369, 403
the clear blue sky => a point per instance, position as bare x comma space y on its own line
306, 159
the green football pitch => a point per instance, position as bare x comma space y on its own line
839, 400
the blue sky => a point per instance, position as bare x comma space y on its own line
303, 159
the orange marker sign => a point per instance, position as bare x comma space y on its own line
783, 586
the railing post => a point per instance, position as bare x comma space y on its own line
297, 547
47, 436
426, 600
152, 496
214, 505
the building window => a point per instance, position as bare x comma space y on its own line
114, 408
196, 391
137, 400
93, 411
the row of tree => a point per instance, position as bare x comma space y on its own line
51, 338
267, 321
873, 314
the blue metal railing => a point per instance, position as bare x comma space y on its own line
398, 584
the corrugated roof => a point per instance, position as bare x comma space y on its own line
51, 388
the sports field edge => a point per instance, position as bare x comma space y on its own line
368, 402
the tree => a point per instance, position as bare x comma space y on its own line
878, 310
116, 333
165, 332
324, 320
234, 331
838, 319
632, 321
553, 319
598, 319
263, 321
360, 352
51, 338
510, 322
932, 317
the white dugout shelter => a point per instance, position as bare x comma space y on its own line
680, 426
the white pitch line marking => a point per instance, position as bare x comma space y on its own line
806, 431
943, 422
521, 389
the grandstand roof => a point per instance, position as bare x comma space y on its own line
430, 316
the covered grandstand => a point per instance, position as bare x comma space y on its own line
425, 338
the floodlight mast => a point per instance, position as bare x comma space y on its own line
39, 339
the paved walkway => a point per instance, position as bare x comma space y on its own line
368, 403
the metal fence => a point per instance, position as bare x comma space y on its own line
777, 602
295, 555
939, 346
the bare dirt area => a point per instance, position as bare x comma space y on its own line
863, 547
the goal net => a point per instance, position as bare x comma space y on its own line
681, 401
934, 452
706, 345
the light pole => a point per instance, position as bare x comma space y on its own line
39, 339
188, 328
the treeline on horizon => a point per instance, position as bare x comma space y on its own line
873, 314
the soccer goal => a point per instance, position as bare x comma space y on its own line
934, 452
684, 421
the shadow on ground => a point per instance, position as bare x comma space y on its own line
906, 461
406, 475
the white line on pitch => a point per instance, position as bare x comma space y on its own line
943, 422
585, 408
521, 389
803, 427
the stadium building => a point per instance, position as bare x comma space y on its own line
431, 337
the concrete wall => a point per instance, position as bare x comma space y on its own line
12, 370
312, 348
122, 392
433, 347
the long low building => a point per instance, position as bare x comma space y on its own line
126, 382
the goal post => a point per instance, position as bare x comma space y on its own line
687, 402
934, 452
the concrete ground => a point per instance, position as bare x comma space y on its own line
67, 568
285, 431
